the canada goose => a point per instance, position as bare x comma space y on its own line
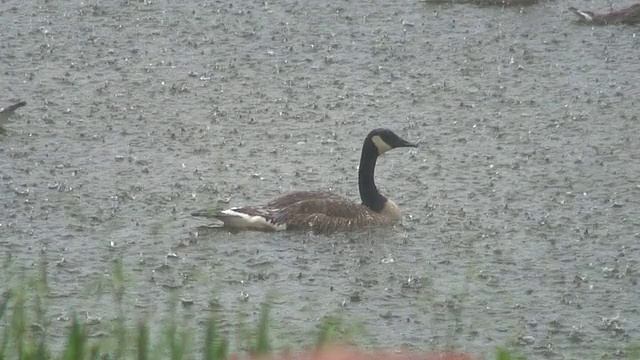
324, 211
7, 112
629, 15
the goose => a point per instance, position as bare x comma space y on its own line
629, 15
7, 112
322, 211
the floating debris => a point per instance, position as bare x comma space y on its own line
387, 315
609, 271
578, 280
412, 281
21, 192
613, 324
61, 262
92, 320
56, 185
174, 285
526, 340
37, 327
407, 24
388, 260
186, 301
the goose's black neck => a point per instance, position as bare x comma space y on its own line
369, 193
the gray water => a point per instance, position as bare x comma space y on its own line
520, 207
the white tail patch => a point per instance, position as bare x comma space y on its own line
380, 144
584, 14
239, 220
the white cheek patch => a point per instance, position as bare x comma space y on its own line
380, 144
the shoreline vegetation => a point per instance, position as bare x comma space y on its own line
24, 322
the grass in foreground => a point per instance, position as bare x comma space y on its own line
20, 341
24, 337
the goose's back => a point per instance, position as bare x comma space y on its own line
323, 212
298, 196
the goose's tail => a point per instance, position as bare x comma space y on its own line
207, 213
241, 218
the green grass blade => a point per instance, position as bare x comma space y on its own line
328, 331
18, 323
41, 352
94, 352
504, 354
262, 345
215, 346
143, 341
76, 343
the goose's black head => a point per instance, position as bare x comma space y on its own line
384, 140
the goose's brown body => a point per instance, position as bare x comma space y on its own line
322, 211
308, 210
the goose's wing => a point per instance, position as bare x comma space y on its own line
272, 209
328, 213
321, 214
295, 197
306, 210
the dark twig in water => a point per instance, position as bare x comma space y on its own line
488, 2
7, 112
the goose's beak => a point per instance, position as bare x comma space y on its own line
405, 143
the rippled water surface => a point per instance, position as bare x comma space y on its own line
521, 205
